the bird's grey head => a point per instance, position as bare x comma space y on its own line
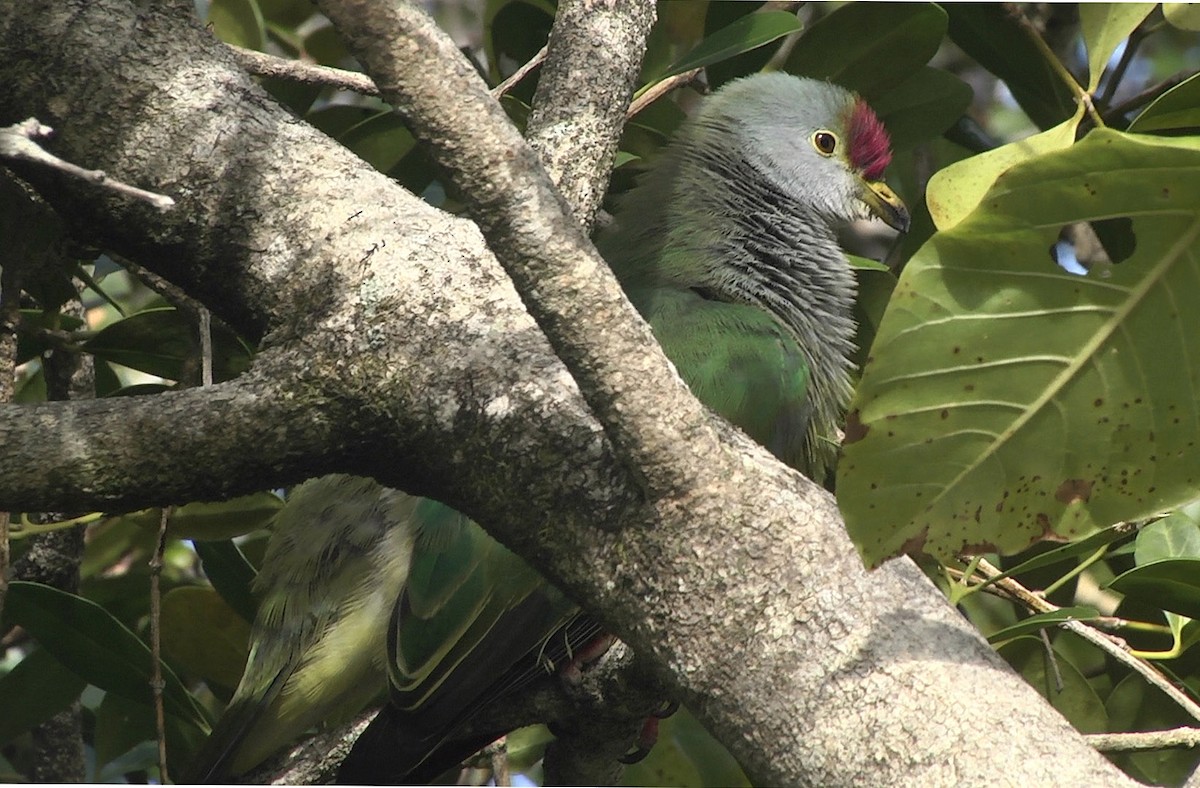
815, 141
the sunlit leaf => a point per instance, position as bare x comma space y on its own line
1007, 400
1185, 16
1171, 584
955, 191
1104, 27
686, 754
1174, 536
1176, 111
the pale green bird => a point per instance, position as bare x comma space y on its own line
728, 248
333, 567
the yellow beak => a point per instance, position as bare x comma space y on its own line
884, 203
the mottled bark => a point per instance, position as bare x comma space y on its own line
393, 330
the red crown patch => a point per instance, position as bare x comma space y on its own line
870, 147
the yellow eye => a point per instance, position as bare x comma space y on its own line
825, 142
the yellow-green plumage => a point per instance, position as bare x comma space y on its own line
329, 580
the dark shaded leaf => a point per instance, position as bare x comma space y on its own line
160, 341
1075, 699
922, 106
746, 34
987, 33
869, 47
1170, 584
36, 689
95, 646
1043, 620
231, 575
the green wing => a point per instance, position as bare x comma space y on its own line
336, 561
740, 362
474, 623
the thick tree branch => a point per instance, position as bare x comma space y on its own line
568, 288
646, 413
228, 439
595, 54
740, 586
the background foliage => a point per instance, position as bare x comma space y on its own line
1032, 366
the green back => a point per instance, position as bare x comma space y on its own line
741, 363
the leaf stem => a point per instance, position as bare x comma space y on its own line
1110, 645
1056, 65
1084, 564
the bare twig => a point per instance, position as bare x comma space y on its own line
520, 73
1148, 95
1107, 643
206, 347
156, 681
1145, 740
18, 142
260, 64
655, 91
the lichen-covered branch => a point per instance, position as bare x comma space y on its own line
391, 328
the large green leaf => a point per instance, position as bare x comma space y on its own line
955, 191
231, 575
718, 16
1171, 584
922, 106
1177, 110
988, 33
95, 646
1105, 26
748, 33
1006, 400
1135, 705
869, 47
382, 140
203, 636
1185, 16
1174, 536
238, 22
686, 754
